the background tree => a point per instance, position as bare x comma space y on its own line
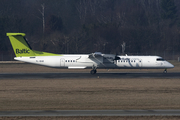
169, 9
86, 26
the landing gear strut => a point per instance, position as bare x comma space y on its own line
165, 71
93, 71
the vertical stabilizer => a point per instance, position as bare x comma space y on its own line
20, 46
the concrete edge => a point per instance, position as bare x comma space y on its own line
10, 62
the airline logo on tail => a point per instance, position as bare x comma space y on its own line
22, 51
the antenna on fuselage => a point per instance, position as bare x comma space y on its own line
123, 47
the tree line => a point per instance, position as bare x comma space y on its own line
86, 26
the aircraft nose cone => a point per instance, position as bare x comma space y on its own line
170, 65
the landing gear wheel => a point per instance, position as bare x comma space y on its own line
165, 71
93, 71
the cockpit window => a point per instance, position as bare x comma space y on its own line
160, 59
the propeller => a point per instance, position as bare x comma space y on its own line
116, 57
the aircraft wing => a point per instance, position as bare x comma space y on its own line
96, 54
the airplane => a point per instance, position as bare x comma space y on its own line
92, 61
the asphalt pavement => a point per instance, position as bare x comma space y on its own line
87, 75
92, 113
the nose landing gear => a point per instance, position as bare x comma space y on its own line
165, 71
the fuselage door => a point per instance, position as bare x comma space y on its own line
62, 62
138, 63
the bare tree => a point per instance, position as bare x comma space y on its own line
123, 47
43, 16
82, 7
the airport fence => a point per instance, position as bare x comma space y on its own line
165, 55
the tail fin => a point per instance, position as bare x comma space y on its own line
22, 48
20, 45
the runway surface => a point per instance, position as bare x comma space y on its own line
88, 75
90, 112
93, 113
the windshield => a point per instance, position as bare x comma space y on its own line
160, 59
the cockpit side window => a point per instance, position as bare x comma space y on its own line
160, 59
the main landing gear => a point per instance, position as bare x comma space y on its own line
93, 71
165, 71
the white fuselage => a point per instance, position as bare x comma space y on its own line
106, 61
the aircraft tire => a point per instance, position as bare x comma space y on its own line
165, 71
93, 71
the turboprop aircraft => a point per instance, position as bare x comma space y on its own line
93, 61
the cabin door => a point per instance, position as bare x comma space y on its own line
62, 62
